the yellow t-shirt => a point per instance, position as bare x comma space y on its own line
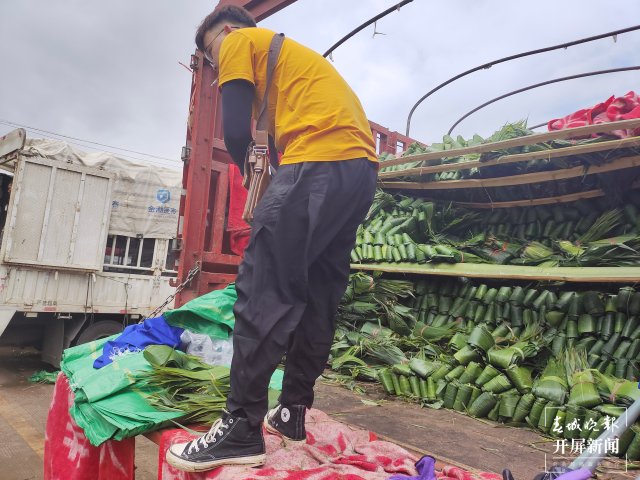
313, 114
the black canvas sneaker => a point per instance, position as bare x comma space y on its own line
288, 422
229, 441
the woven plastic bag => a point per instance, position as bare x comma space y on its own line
108, 403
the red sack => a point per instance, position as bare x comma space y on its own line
68, 455
611, 110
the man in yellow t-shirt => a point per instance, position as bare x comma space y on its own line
296, 266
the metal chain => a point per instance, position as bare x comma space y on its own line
192, 273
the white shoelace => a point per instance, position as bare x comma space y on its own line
209, 437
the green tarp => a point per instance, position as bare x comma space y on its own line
109, 403
211, 313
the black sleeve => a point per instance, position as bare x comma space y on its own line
237, 101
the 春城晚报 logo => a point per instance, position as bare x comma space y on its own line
163, 195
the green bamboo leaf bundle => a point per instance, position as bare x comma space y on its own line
591, 418
630, 326
535, 253
423, 368
423, 388
482, 405
385, 378
405, 386
415, 386
552, 384
586, 324
441, 371
610, 410
536, 412
433, 334
624, 442
402, 369
503, 294
520, 377
620, 392
475, 393
611, 345
498, 384
383, 350
573, 421
375, 330
554, 317
548, 416
458, 341
431, 389
396, 383
450, 395
494, 413
504, 357
489, 372
481, 338
508, 405
584, 391
463, 397
592, 303
633, 449
623, 299
471, 373
467, 355
455, 373
524, 407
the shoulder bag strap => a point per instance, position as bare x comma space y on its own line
262, 136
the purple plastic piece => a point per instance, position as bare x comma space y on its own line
582, 474
426, 467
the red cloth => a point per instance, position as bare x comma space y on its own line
457, 473
334, 451
68, 455
239, 230
611, 110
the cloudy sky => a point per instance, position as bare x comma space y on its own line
109, 72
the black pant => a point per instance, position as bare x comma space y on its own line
294, 273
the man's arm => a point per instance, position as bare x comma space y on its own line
237, 101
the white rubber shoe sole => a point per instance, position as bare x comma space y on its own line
187, 466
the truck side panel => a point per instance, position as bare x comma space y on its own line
32, 290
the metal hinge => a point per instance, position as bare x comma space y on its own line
185, 154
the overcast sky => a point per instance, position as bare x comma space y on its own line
108, 71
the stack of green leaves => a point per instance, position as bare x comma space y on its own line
515, 354
404, 229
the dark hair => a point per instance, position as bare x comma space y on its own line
226, 13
